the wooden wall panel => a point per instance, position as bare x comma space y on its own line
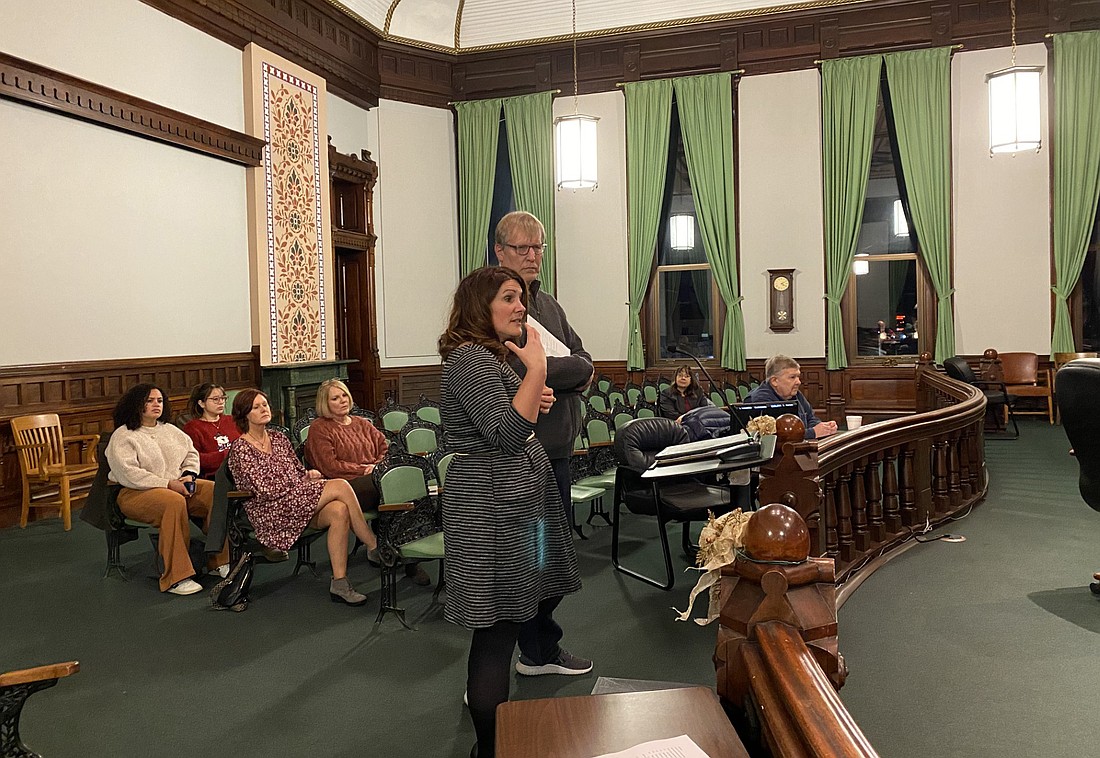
84, 395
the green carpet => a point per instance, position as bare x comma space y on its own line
987, 647
980, 648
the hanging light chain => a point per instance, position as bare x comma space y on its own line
1012, 9
575, 107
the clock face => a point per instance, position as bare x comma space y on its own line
781, 283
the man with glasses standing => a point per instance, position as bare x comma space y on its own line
519, 244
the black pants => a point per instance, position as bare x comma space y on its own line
560, 467
489, 671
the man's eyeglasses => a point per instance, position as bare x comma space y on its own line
527, 249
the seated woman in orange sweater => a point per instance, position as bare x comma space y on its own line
342, 446
210, 428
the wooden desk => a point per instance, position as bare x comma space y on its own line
583, 727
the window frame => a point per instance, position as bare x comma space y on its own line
651, 328
926, 308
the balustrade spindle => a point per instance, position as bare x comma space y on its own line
891, 504
857, 490
844, 514
954, 489
832, 546
965, 485
977, 457
940, 498
909, 514
873, 488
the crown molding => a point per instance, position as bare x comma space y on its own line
43, 87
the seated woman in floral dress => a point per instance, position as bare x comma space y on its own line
287, 498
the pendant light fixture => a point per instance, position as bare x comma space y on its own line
681, 231
1014, 104
575, 138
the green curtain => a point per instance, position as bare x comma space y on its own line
530, 120
849, 92
478, 127
920, 91
1076, 167
706, 125
648, 120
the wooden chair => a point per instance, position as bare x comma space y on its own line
15, 688
41, 446
1021, 376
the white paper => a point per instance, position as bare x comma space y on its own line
554, 347
703, 448
674, 747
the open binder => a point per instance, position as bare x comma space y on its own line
722, 448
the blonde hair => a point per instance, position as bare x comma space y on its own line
521, 221
322, 396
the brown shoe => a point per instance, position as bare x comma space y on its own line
418, 575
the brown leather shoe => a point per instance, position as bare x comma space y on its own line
418, 575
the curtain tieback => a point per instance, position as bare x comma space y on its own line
947, 295
832, 299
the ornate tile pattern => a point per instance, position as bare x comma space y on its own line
294, 203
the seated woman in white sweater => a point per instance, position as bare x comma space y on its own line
157, 465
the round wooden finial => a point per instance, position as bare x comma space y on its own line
990, 354
925, 357
789, 428
776, 533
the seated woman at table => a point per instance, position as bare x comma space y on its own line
287, 498
210, 428
342, 446
157, 465
683, 395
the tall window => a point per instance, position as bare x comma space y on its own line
504, 197
684, 308
888, 293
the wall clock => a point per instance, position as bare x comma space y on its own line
781, 299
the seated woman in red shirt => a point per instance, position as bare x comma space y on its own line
342, 446
210, 428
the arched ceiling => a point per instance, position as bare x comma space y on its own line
459, 26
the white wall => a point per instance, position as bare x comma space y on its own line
592, 234
417, 226
780, 207
130, 47
1001, 218
116, 246
348, 125
139, 247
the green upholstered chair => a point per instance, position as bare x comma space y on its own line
420, 437
394, 416
426, 410
409, 524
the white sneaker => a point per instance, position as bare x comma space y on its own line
186, 587
222, 571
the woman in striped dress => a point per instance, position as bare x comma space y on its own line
510, 555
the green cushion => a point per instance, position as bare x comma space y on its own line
579, 494
604, 481
426, 547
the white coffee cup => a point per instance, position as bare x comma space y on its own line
853, 422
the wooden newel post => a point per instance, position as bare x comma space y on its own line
773, 579
792, 478
926, 396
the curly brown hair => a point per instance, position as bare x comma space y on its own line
471, 319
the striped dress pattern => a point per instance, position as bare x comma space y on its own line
508, 542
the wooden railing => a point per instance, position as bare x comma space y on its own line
867, 491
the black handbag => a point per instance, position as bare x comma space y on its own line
232, 592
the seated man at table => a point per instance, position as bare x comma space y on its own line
782, 378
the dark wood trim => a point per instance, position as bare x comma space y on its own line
312, 33
406, 384
361, 64
43, 87
84, 395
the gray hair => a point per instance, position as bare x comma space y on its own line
777, 364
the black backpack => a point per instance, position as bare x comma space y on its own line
232, 592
